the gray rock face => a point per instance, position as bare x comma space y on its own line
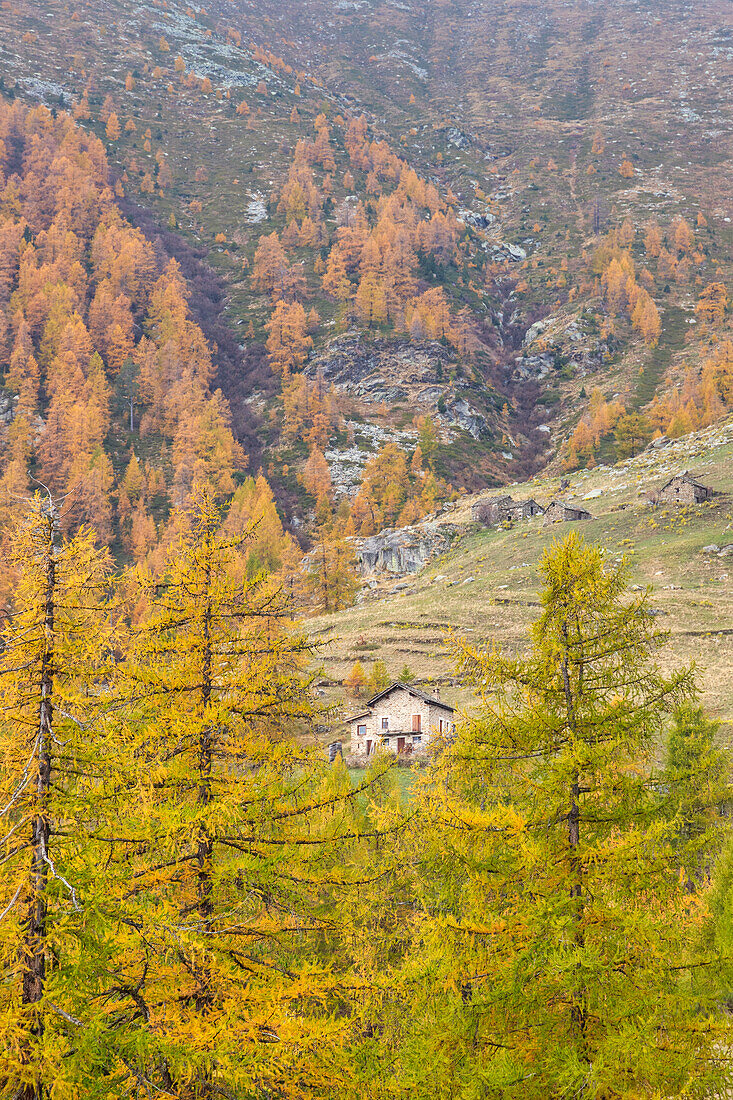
462, 414
458, 138
397, 372
6, 409
483, 219
403, 550
369, 368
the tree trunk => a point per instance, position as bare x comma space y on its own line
34, 972
579, 1014
204, 846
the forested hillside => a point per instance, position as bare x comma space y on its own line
108, 404
196, 904
478, 216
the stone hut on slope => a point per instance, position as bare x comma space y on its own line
560, 512
683, 489
496, 510
401, 719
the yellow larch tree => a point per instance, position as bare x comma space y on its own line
55, 766
236, 999
288, 341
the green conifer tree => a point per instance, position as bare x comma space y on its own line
556, 940
695, 791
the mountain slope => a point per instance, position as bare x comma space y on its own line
486, 586
551, 131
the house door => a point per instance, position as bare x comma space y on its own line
417, 723
369, 748
400, 744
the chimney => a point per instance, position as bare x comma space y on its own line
437, 693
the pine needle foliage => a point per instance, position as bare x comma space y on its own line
696, 792
554, 935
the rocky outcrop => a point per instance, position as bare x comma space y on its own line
554, 343
458, 138
376, 370
482, 219
412, 373
404, 550
466, 417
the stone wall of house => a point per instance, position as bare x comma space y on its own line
491, 511
525, 509
398, 708
681, 491
494, 510
558, 512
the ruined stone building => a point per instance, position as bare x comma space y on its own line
683, 489
559, 512
401, 719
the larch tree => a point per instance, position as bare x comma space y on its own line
632, 433
224, 857
288, 341
270, 269
712, 303
371, 300
331, 578
56, 758
335, 280
557, 942
695, 791
113, 128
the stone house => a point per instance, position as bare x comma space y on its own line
496, 510
401, 719
559, 512
683, 489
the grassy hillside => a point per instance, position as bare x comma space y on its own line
486, 588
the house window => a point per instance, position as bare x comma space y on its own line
417, 739
361, 731
416, 723
440, 726
385, 723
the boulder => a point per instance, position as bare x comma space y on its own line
404, 550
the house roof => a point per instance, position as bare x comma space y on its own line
354, 717
686, 476
415, 692
566, 507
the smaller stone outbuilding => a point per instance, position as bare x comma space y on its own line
401, 719
496, 510
683, 489
559, 512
